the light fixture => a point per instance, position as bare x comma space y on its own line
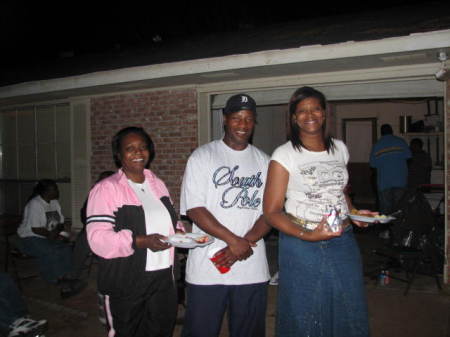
443, 73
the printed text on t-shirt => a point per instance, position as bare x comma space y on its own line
237, 188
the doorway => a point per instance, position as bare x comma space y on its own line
359, 134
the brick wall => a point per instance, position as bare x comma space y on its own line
169, 116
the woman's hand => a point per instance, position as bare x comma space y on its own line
153, 242
322, 232
364, 212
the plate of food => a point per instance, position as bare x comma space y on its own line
371, 218
190, 240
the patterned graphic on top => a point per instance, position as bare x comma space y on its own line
53, 219
322, 186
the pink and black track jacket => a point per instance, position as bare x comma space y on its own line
115, 217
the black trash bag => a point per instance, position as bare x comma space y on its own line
416, 221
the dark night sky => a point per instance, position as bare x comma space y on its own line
47, 31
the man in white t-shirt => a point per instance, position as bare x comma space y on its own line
40, 236
222, 194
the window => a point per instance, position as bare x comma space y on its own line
34, 144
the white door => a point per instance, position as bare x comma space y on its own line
360, 134
358, 137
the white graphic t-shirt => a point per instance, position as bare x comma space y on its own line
230, 185
316, 180
40, 214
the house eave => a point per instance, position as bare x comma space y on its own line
414, 49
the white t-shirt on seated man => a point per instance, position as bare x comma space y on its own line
39, 213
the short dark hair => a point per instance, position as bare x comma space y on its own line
120, 135
41, 187
299, 95
386, 129
416, 142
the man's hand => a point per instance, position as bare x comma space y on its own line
241, 248
225, 257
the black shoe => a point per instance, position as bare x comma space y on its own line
67, 281
72, 288
17, 253
63, 280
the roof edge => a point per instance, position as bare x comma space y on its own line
412, 42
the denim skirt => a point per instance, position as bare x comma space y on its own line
321, 289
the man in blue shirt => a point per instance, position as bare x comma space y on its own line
389, 156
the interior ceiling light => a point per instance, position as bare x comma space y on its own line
443, 73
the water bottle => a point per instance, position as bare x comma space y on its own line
382, 278
387, 279
408, 239
333, 219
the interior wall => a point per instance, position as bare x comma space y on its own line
270, 130
362, 178
390, 112
385, 112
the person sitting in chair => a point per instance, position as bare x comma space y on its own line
40, 237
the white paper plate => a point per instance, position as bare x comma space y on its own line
371, 219
188, 240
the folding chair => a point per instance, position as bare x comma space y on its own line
413, 246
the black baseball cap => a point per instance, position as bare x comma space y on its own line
239, 102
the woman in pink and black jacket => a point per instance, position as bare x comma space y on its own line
129, 214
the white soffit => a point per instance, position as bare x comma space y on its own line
348, 91
315, 58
